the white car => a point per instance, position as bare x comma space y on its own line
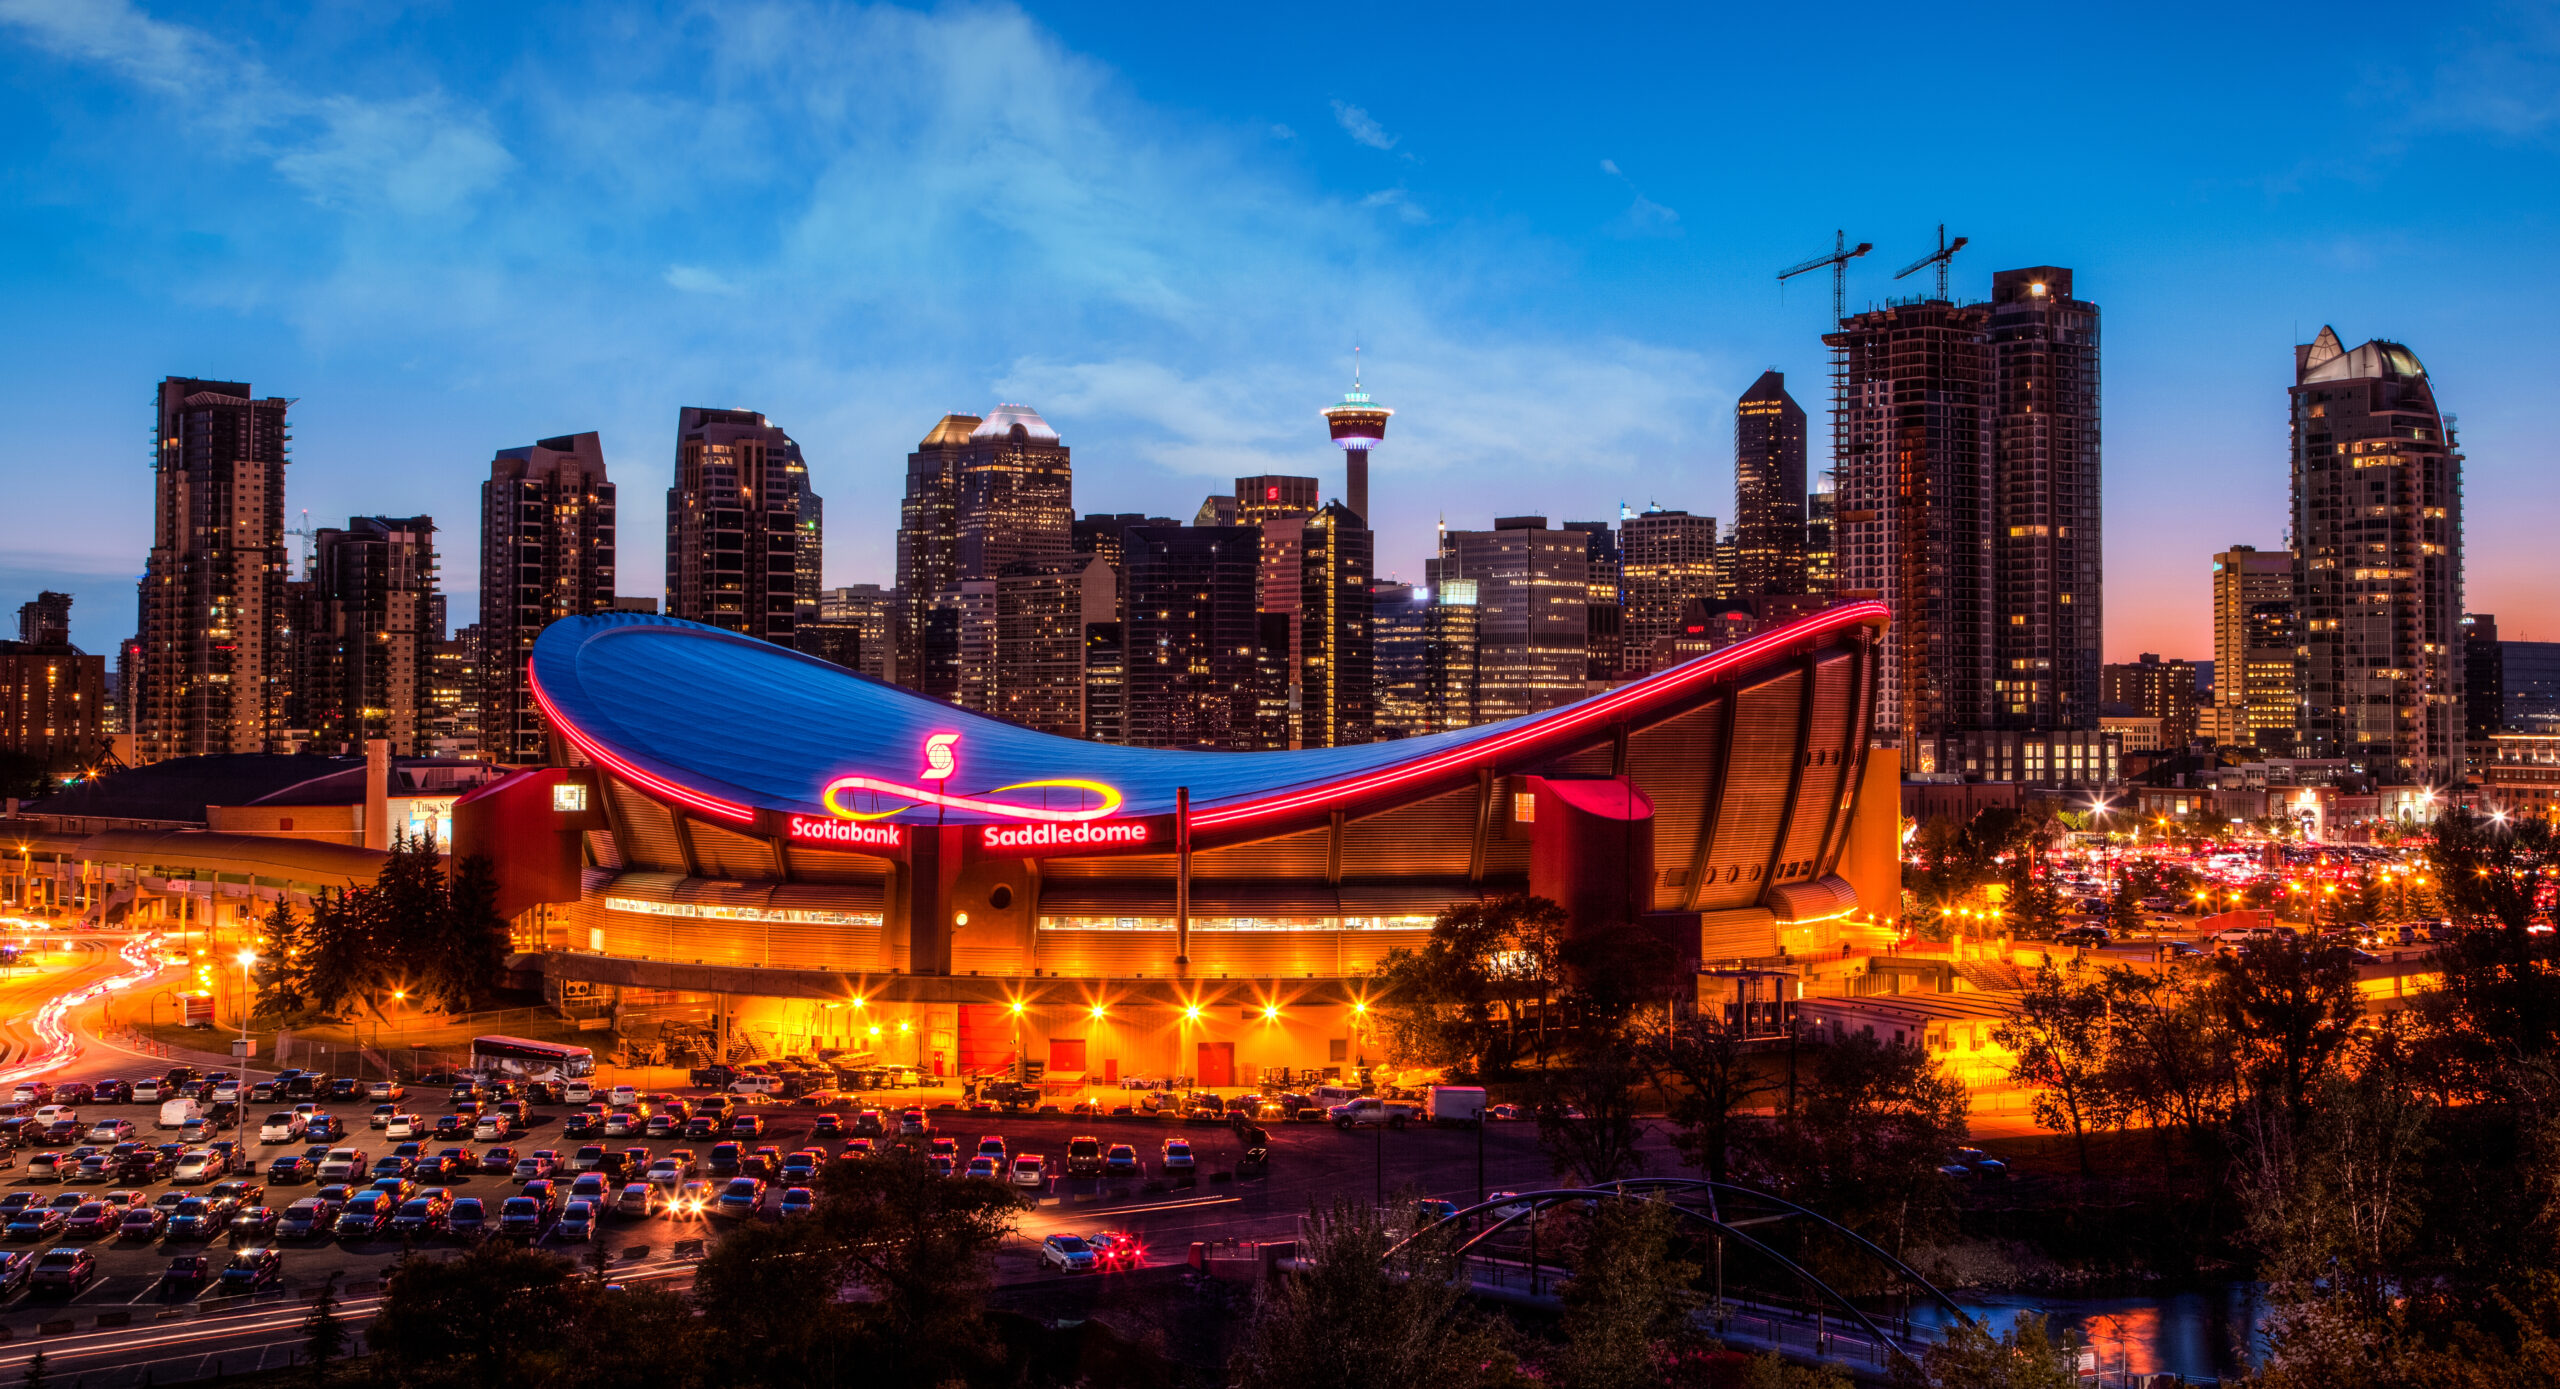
226, 1092
624, 1097
1067, 1253
1030, 1169
403, 1125
342, 1165
283, 1126
1514, 1207
146, 1092
111, 1131
578, 1092
55, 1113
638, 1199
197, 1165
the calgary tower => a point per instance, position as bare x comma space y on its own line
1359, 425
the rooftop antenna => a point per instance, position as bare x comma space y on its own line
1939, 258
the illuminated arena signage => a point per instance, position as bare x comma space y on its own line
847, 834
1063, 839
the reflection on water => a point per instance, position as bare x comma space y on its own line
2200, 1334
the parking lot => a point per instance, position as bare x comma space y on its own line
1166, 1209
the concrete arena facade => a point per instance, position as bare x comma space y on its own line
849, 865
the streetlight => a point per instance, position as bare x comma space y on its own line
248, 962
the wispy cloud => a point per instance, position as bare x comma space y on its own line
870, 216
1360, 126
415, 154
1643, 217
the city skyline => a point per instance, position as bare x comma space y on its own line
1556, 340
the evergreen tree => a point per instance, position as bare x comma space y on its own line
283, 975
324, 1332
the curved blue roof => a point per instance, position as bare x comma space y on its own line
727, 725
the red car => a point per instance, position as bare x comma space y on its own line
1118, 1250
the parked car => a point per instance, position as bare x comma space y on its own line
1120, 1161
142, 1222
1067, 1254
1178, 1158
742, 1197
306, 1218
368, 1215
111, 1131
188, 1271
424, 1213
1030, 1170
522, 1216
577, 1223
252, 1269
467, 1219
253, 1223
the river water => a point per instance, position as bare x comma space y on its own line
2202, 1333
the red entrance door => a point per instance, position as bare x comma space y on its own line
1066, 1055
1217, 1064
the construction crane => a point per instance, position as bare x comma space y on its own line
1841, 254
304, 531
1946, 252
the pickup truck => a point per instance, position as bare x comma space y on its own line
1368, 1112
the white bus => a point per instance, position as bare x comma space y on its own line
519, 1059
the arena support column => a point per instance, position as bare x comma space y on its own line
1182, 877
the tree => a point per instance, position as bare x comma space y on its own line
2332, 1199
1711, 1084
495, 1314
774, 1291
283, 974
2499, 1002
2291, 1007
35, 1370
469, 949
1355, 1318
1875, 1123
1437, 1005
2169, 1056
1614, 970
324, 1332
2060, 1036
1627, 1305
1971, 1356
925, 1248
1587, 1111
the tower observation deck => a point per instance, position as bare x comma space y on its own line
1359, 424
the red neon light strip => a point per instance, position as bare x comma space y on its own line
657, 785
1541, 728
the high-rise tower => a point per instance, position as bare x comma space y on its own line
1359, 424
2254, 639
2042, 409
546, 552
1915, 507
983, 494
1667, 558
2377, 525
213, 604
1337, 637
369, 638
733, 524
1768, 490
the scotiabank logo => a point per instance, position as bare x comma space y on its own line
848, 834
1102, 834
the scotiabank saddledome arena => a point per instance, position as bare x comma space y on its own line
845, 864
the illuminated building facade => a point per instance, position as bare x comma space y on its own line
1043, 607
734, 525
2255, 633
1192, 642
1532, 611
1913, 525
213, 601
1337, 639
1605, 634
1273, 497
53, 696
546, 552
2042, 409
369, 627
2164, 690
983, 493
875, 860
2377, 524
1669, 557
1768, 490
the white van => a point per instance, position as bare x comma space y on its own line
624, 1097
578, 1092
756, 1085
180, 1112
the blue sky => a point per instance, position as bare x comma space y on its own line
449, 229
